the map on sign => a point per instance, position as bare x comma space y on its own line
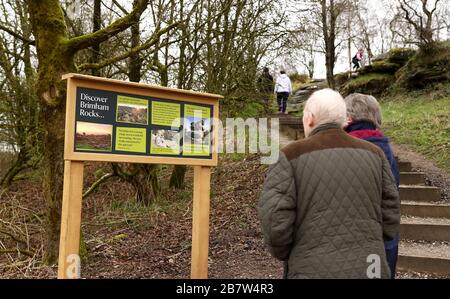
114, 123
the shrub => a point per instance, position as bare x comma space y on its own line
374, 84
301, 78
427, 66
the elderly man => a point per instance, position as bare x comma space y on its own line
330, 199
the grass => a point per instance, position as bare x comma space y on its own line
88, 147
365, 79
372, 83
421, 121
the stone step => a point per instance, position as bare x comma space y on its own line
412, 178
425, 210
425, 229
404, 166
419, 193
424, 257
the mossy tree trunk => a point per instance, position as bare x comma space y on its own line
329, 16
96, 25
177, 177
55, 52
143, 177
55, 59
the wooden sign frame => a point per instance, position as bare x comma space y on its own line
74, 164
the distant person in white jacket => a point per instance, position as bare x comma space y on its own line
283, 88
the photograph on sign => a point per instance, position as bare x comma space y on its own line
93, 137
165, 142
197, 131
132, 110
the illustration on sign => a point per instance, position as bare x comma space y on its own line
113, 123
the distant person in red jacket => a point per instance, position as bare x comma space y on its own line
357, 59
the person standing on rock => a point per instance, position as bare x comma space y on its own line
265, 86
283, 89
365, 117
330, 199
357, 59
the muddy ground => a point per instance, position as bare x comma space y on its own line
125, 239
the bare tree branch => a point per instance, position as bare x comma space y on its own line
120, 7
89, 40
151, 42
98, 183
17, 35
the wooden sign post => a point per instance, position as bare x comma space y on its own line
116, 121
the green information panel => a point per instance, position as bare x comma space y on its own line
114, 123
166, 114
131, 139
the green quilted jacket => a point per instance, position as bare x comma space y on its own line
328, 204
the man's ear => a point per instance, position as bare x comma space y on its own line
309, 119
349, 120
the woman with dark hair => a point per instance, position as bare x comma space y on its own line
364, 116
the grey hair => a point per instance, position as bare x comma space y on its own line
362, 107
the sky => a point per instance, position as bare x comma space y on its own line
376, 9
94, 129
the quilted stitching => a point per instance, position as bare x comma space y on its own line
330, 200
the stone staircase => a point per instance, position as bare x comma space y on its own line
425, 223
425, 226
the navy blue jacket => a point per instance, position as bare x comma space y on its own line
367, 131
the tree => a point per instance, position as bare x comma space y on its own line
419, 15
221, 45
327, 16
217, 47
305, 48
18, 105
56, 51
365, 29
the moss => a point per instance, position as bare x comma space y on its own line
374, 84
385, 67
400, 55
300, 78
341, 78
427, 66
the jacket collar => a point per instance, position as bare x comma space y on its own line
360, 125
325, 127
363, 130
